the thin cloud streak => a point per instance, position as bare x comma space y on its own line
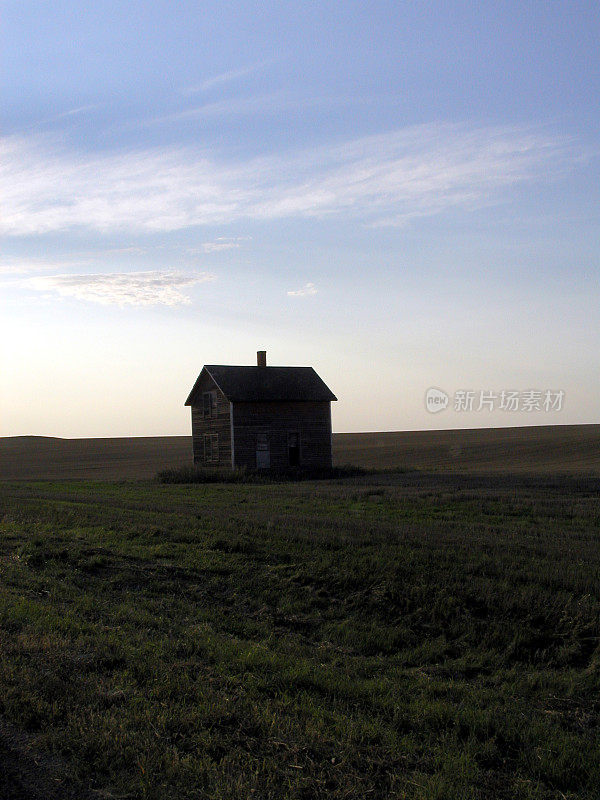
306, 291
73, 112
24, 266
122, 289
226, 77
273, 104
223, 243
386, 179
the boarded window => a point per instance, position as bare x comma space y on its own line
209, 404
211, 448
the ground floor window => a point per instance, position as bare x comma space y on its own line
211, 448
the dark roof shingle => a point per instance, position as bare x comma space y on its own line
255, 384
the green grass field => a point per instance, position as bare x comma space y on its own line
406, 635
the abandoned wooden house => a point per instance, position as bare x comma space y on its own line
261, 417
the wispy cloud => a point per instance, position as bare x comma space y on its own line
305, 291
272, 103
222, 243
267, 104
13, 269
26, 265
130, 250
72, 112
387, 179
132, 288
225, 77
79, 110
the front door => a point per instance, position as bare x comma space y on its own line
263, 452
294, 449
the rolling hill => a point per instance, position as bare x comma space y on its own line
549, 449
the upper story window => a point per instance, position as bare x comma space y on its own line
209, 404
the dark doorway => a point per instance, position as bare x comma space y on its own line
294, 449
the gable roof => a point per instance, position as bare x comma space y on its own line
255, 384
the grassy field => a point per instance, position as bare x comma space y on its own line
547, 449
406, 635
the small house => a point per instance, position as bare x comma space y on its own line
261, 417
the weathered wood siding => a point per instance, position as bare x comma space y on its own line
220, 424
275, 420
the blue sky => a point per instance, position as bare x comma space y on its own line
403, 195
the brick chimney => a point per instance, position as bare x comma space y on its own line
261, 358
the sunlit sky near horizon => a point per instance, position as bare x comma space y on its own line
402, 195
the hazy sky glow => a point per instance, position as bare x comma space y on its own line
403, 195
